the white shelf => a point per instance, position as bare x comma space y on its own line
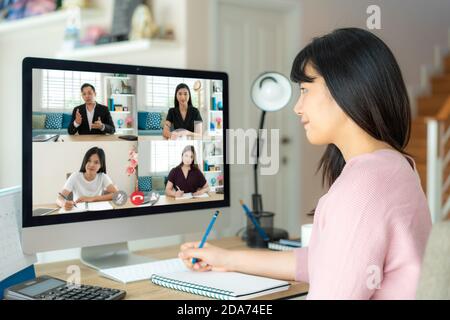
118, 78
60, 16
116, 48
125, 129
120, 112
215, 110
219, 171
123, 94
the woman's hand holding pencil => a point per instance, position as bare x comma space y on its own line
178, 193
209, 258
200, 258
68, 204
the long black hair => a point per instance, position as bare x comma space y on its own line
101, 156
182, 86
365, 80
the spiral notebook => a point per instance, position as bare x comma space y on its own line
284, 245
220, 285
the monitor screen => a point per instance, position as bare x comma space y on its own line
102, 141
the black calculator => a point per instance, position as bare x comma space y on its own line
49, 288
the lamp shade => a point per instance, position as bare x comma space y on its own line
271, 91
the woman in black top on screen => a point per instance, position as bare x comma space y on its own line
184, 117
186, 177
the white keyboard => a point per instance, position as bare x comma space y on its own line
143, 271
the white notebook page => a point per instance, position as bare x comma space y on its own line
238, 283
99, 206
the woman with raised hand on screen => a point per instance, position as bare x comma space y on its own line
90, 182
186, 177
371, 227
184, 117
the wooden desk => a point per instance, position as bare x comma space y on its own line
145, 290
161, 138
115, 137
167, 200
163, 200
89, 137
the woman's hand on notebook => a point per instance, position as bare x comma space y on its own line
210, 258
179, 194
68, 205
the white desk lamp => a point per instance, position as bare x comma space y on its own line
271, 91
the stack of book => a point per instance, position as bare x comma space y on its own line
285, 245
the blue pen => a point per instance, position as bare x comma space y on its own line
205, 236
261, 231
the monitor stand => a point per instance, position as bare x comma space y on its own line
111, 256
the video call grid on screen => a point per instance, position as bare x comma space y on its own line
131, 141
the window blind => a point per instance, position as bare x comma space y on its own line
165, 155
61, 89
160, 91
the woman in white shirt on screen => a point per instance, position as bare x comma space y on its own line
89, 183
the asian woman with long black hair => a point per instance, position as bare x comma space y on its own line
371, 227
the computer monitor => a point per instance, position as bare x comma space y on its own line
113, 153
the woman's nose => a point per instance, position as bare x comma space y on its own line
298, 108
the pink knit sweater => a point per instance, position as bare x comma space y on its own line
369, 232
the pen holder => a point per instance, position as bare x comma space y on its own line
265, 220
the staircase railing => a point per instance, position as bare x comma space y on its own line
438, 134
